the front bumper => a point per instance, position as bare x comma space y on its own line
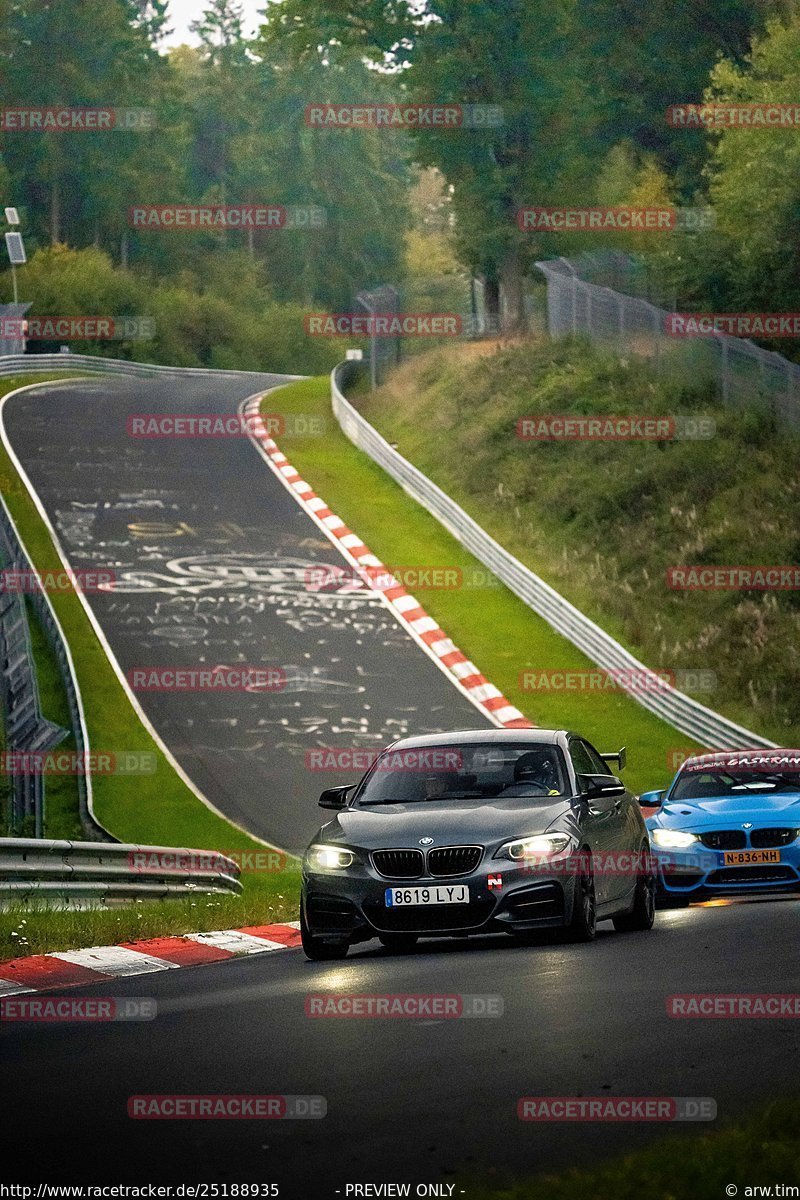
351, 904
699, 872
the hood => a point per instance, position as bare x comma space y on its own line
448, 822
723, 812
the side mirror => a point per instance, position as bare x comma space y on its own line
651, 799
335, 797
596, 787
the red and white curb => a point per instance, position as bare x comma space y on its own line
422, 627
76, 968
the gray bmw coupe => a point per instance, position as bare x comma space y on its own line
475, 832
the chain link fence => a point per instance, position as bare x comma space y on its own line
584, 296
452, 295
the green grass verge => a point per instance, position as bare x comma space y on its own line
266, 899
764, 1150
157, 809
490, 625
603, 521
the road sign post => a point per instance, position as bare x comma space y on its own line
16, 255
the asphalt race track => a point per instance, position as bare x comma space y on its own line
416, 1100
212, 561
420, 1100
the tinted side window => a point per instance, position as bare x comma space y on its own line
580, 758
599, 765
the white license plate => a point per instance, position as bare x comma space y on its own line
439, 894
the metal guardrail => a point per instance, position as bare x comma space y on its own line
33, 364
709, 728
26, 729
80, 874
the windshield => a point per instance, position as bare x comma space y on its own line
736, 775
477, 772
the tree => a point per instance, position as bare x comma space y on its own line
359, 177
152, 17
754, 175
104, 60
506, 56
646, 57
572, 78
221, 34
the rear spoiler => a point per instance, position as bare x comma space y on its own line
620, 758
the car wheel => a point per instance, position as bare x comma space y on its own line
398, 943
583, 926
315, 948
643, 913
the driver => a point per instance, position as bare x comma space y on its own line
435, 786
536, 770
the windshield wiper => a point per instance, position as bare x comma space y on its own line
364, 803
460, 796
429, 799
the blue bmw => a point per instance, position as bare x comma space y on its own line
729, 823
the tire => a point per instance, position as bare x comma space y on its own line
583, 925
643, 913
315, 948
398, 943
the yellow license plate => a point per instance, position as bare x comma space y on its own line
751, 858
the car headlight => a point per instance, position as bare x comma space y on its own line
330, 858
542, 845
672, 839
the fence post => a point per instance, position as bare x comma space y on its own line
724, 368
657, 338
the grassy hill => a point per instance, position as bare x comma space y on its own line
602, 521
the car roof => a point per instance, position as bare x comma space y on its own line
740, 758
470, 737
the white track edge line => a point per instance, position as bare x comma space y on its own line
101, 637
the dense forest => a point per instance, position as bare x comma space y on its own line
580, 90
